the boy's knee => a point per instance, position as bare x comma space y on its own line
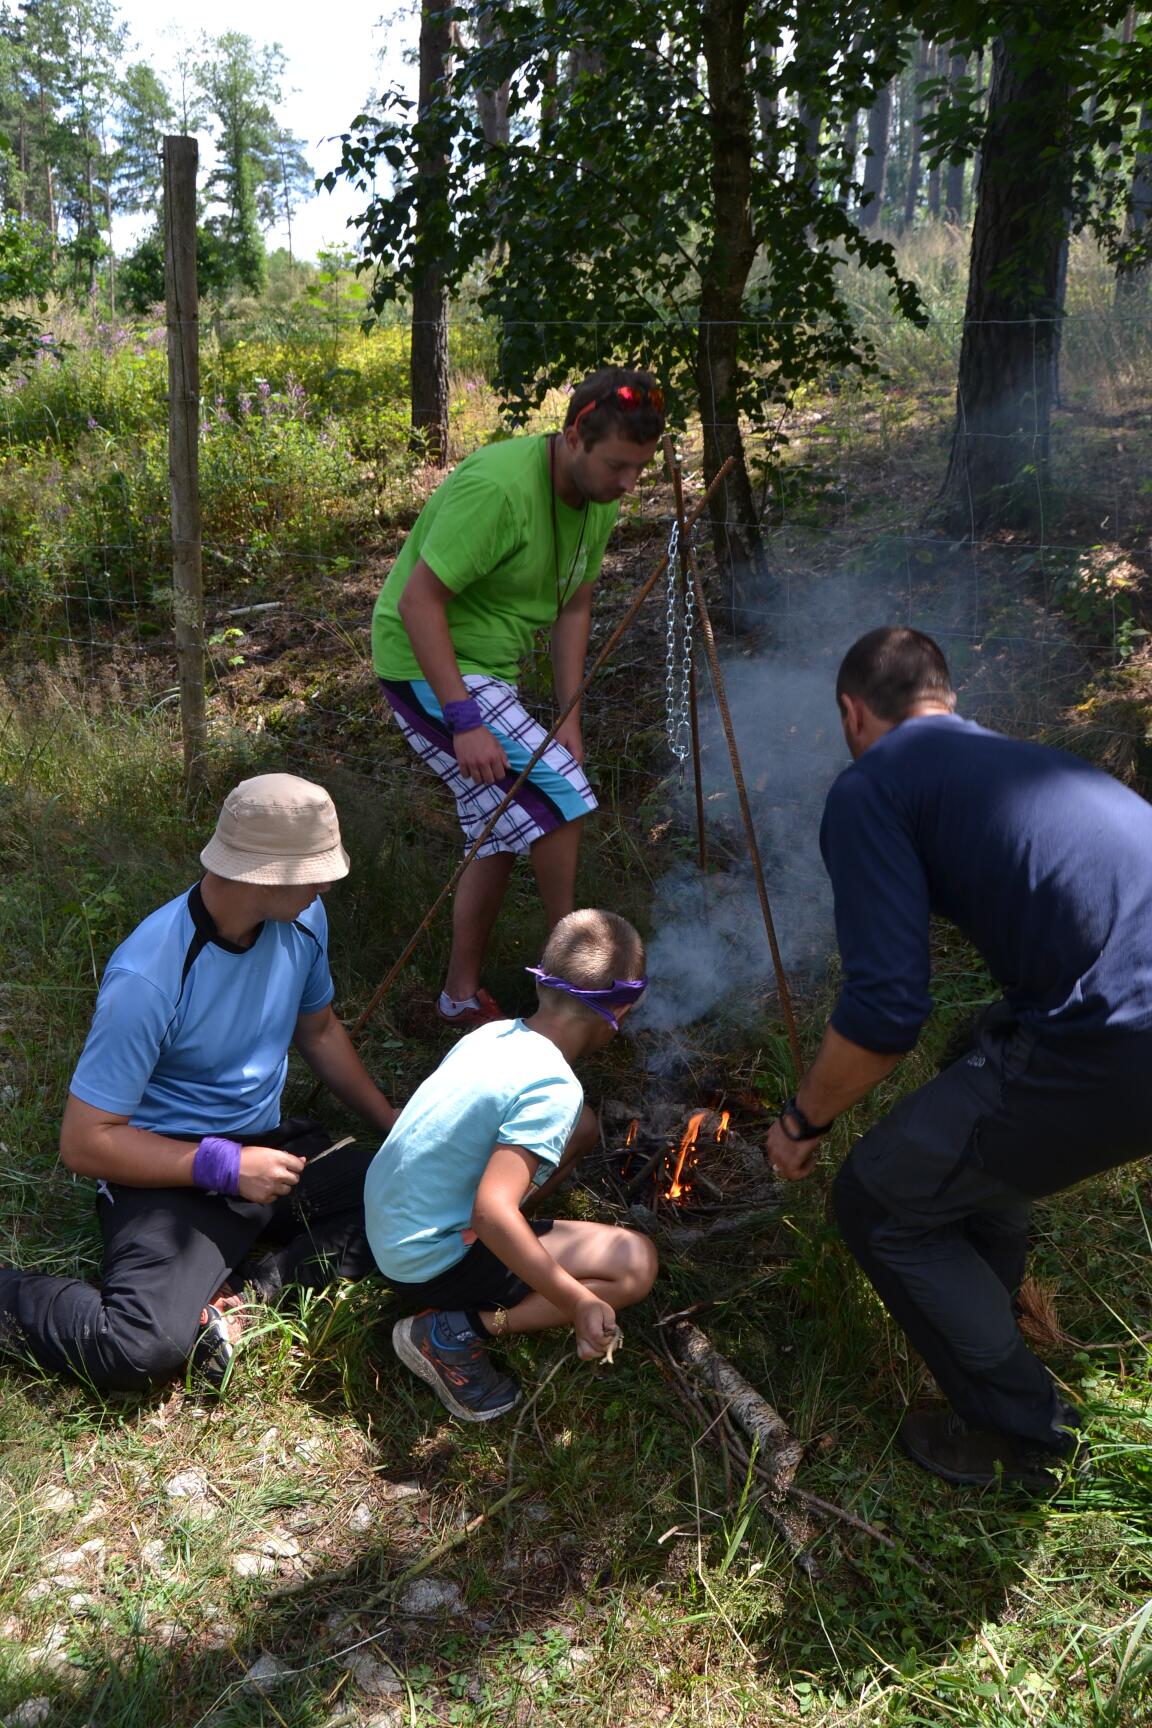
644, 1263
586, 1132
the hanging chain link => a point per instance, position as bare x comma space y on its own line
681, 609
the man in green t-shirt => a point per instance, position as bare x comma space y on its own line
509, 544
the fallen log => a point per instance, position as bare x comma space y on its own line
779, 1450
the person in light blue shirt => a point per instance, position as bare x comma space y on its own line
502, 1114
174, 1109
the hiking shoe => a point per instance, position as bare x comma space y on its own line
456, 1366
941, 1443
221, 1324
486, 1008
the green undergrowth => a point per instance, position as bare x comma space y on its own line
152, 1549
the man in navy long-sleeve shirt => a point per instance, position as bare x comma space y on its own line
1045, 865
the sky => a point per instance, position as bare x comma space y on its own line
334, 53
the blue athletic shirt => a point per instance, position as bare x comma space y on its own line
203, 1050
502, 1085
1043, 862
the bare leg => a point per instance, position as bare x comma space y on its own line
479, 896
584, 1137
617, 1265
554, 861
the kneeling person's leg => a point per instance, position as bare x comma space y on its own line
619, 1266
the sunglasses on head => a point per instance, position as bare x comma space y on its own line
629, 398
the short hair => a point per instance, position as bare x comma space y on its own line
893, 668
639, 425
590, 949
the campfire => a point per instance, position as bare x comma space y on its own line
674, 1165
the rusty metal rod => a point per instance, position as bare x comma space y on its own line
608, 648
676, 472
746, 812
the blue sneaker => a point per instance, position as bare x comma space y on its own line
443, 1349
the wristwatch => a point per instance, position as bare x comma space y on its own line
808, 1130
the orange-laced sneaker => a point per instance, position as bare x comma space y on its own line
454, 1362
487, 1008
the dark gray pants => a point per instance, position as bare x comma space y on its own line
166, 1253
934, 1202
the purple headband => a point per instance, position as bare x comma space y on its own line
619, 993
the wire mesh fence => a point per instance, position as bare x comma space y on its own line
309, 479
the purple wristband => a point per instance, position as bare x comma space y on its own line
463, 716
216, 1166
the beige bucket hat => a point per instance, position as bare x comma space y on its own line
279, 830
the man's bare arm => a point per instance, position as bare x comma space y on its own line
841, 1075
326, 1047
423, 609
569, 657
97, 1143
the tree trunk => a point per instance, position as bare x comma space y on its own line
429, 363
492, 105
1132, 269
912, 190
876, 158
724, 271
998, 464
935, 174
954, 183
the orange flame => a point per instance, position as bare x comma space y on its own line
687, 1142
722, 1128
630, 1144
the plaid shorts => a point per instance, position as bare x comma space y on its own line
554, 793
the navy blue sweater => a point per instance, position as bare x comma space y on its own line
1043, 862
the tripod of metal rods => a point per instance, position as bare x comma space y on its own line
692, 588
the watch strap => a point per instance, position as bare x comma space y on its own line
808, 1130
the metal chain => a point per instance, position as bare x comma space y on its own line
681, 608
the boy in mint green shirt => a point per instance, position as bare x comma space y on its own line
503, 1113
510, 544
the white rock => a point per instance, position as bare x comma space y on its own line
395, 1718
188, 1485
154, 1555
339, 1626
30, 1714
370, 1674
42, 1587
80, 1601
400, 1490
265, 1672
55, 1499
431, 1596
308, 1450
88, 1557
95, 1512
361, 1518
252, 1565
281, 1546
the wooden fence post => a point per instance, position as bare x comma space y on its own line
183, 310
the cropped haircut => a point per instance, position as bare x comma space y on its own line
639, 425
892, 669
590, 949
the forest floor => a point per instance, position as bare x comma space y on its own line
318, 1547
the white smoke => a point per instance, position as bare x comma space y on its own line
708, 954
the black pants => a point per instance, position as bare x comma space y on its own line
168, 1250
934, 1202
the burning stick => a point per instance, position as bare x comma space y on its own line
687, 1144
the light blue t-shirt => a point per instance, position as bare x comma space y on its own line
502, 1085
201, 1048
